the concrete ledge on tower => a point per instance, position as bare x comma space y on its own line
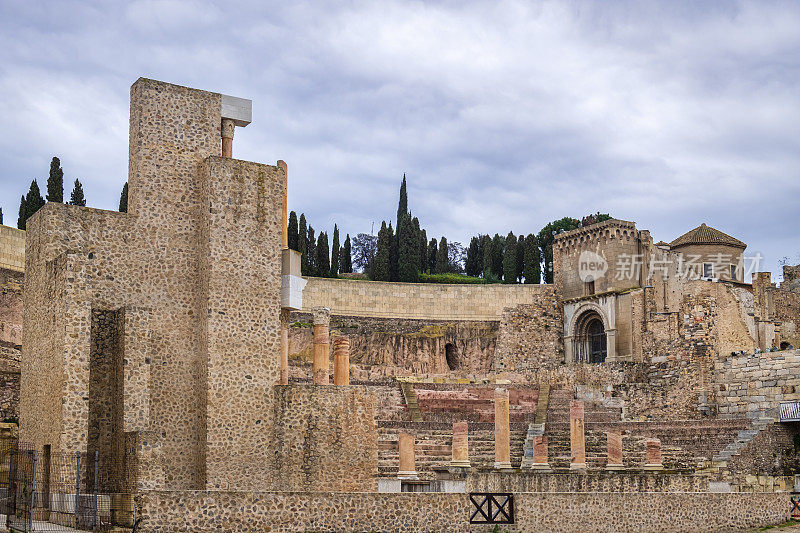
292, 283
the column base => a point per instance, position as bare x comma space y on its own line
653, 467
541, 467
577, 466
613, 466
503, 466
460, 464
408, 474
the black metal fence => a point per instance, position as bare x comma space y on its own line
45, 491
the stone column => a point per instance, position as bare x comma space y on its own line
502, 430
227, 137
460, 445
285, 207
653, 455
284, 347
569, 356
577, 438
322, 320
614, 461
407, 469
341, 361
540, 461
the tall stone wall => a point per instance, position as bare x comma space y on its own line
753, 384
195, 266
576, 512
11, 282
425, 301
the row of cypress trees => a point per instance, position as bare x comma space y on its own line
30, 203
319, 259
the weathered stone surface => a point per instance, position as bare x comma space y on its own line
460, 445
502, 430
341, 361
577, 440
406, 468
614, 460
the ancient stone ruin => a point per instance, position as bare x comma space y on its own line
206, 385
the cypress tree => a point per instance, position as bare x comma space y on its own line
520, 258
433, 251
442, 261
123, 199
393, 254
302, 244
510, 259
77, 197
55, 182
293, 232
498, 246
402, 206
1, 215
33, 201
311, 251
487, 256
335, 253
471, 266
423, 251
347, 258
323, 255
533, 260
381, 271
21, 218
407, 249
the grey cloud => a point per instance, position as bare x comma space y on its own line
503, 115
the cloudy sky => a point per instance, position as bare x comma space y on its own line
503, 115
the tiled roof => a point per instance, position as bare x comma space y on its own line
704, 234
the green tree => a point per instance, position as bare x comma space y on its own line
323, 255
520, 257
546, 236
1, 215
335, 253
408, 249
433, 252
533, 260
423, 251
22, 212
498, 246
302, 244
77, 197
293, 232
123, 199
473, 263
55, 182
487, 256
394, 254
381, 270
347, 257
402, 205
33, 202
510, 259
442, 259
311, 252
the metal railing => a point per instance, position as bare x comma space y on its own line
45, 491
790, 411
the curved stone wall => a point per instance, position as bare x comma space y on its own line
426, 301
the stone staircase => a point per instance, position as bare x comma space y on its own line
410, 397
744, 437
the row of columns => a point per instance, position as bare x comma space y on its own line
321, 368
537, 457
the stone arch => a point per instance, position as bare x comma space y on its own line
590, 335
